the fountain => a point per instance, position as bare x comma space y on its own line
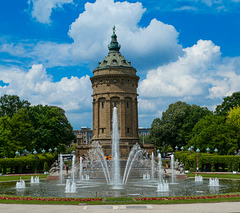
135, 152
70, 183
20, 184
80, 169
70, 186
213, 182
34, 180
198, 178
115, 151
153, 169
163, 186
172, 168
146, 176
61, 169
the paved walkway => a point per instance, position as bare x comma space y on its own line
227, 207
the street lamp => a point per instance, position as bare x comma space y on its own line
182, 148
208, 150
55, 149
50, 150
25, 152
189, 149
198, 150
43, 151
216, 150
34, 152
17, 153
176, 147
73, 152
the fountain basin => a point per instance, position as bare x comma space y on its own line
144, 188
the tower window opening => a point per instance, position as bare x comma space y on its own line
128, 130
127, 104
102, 104
115, 103
102, 130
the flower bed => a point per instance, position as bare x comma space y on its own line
49, 199
188, 197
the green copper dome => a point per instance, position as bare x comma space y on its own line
114, 43
114, 57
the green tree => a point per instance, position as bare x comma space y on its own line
51, 127
228, 103
15, 133
5, 136
10, 104
233, 116
176, 124
212, 131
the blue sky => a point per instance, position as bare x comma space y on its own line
185, 50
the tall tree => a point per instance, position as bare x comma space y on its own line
233, 116
9, 104
51, 127
212, 131
176, 124
15, 133
228, 103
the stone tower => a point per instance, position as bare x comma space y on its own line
115, 83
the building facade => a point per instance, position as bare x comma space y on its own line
115, 83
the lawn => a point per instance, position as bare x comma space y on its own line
220, 176
17, 178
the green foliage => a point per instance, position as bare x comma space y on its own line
211, 161
26, 127
176, 124
212, 131
228, 103
51, 127
233, 116
45, 167
31, 160
10, 104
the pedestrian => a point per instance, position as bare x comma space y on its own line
67, 168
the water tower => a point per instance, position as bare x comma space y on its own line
115, 83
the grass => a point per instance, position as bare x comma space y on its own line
5, 178
220, 176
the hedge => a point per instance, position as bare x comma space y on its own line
31, 161
208, 162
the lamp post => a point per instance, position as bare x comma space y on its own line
208, 150
50, 150
43, 151
17, 153
34, 152
216, 150
198, 150
189, 149
182, 148
176, 147
55, 149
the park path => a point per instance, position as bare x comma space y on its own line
225, 207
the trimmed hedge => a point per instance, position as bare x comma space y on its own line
34, 162
208, 162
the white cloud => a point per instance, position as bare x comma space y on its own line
156, 43
37, 87
42, 9
182, 78
200, 77
153, 45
